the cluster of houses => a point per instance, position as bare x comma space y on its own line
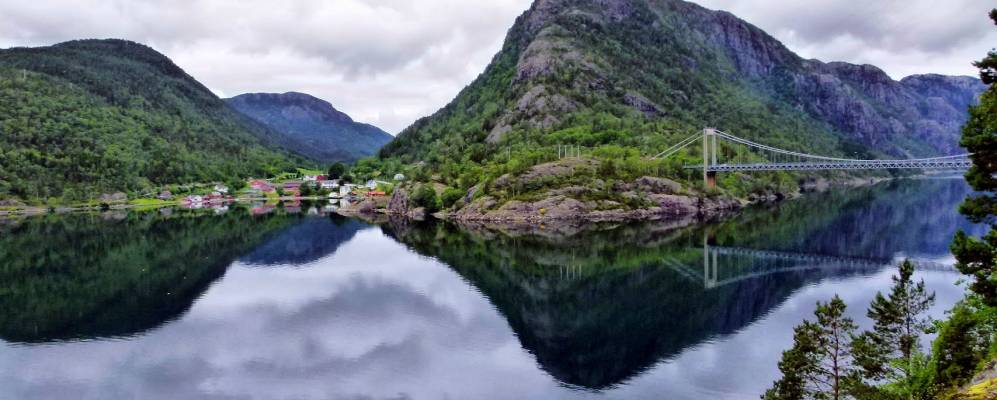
218, 196
337, 188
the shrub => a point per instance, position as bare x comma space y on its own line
425, 197
451, 196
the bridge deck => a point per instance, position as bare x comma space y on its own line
961, 164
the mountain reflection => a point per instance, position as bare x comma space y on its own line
73, 277
599, 306
430, 310
306, 242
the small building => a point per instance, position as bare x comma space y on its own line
376, 193
214, 197
194, 199
221, 189
261, 185
165, 195
346, 189
399, 177
292, 188
329, 184
372, 184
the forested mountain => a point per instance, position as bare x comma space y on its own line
311, 126
645, 73
85, 117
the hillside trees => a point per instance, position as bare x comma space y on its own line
88, 117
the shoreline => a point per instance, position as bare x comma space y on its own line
28, 211
725, 206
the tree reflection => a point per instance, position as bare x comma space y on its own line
598, 306
72, 277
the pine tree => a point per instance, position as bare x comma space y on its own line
961, 345
796, 365
820, 364
978, 257
889, 352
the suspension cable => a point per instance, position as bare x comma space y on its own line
671, 150
816, 157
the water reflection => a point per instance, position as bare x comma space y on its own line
600, 307
306, 242
433, 311
88, 276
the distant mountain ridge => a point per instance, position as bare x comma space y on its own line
661, 66
312, 126
90, 116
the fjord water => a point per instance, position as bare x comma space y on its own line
188, 304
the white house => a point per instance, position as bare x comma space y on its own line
372, 184
221, 189
346, 189
332, 184
399, 177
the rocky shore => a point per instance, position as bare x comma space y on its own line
663, 199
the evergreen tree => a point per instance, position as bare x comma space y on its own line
891, 351
961, 346
796, 365
978, 257
337, 170
820, 364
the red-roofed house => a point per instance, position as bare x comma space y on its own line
261, 185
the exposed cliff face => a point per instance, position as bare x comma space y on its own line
674, 61
918, 115
311, 126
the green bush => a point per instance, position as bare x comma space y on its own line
425, 197
451, 196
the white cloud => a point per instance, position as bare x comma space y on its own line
389, 62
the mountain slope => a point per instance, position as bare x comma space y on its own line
645, 73
311, 126
84, 117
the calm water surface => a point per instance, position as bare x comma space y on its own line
233, 305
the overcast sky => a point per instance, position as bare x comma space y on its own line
389, 62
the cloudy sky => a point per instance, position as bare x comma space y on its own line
389, 62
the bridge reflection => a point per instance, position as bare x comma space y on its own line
728, 265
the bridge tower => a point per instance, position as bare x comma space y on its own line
711, 268
709, 157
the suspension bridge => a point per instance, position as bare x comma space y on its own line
723, 152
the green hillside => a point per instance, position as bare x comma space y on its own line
87, 117
624, 79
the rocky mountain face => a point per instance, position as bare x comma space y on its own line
688, 67
311, 126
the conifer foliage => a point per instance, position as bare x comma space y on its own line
820, 363
891, 352
978, 257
